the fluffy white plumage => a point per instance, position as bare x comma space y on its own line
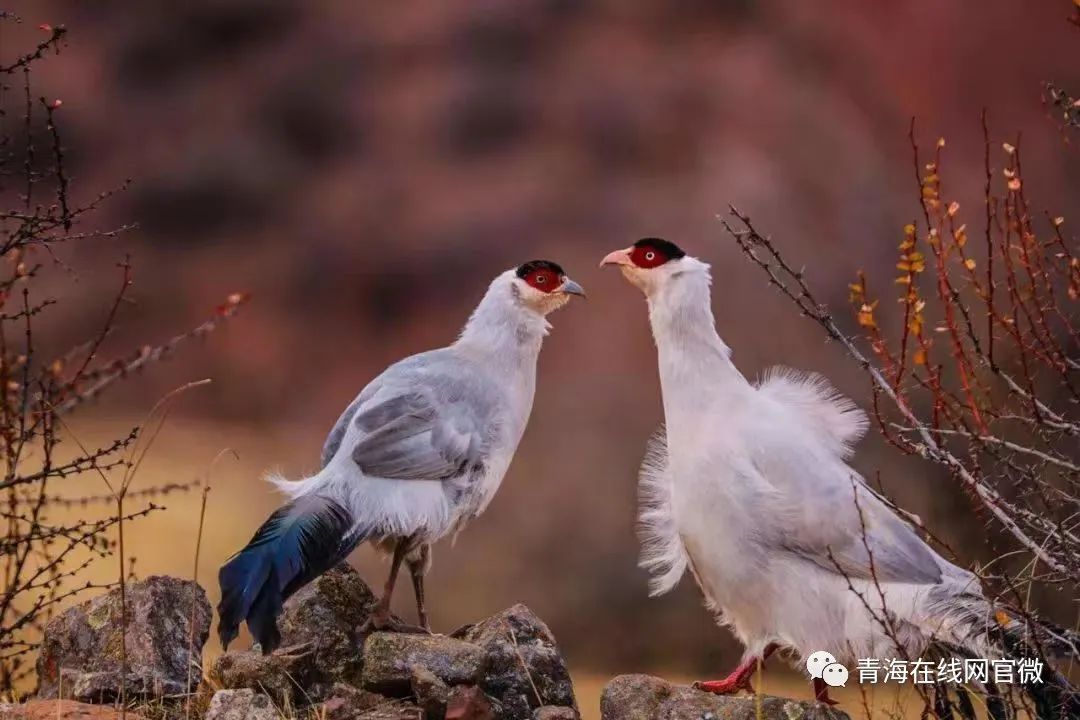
749, 488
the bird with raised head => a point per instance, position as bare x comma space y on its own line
420, 452
748, 485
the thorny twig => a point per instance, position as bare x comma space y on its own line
44, 553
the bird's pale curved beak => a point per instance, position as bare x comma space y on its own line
619, 257
569, 287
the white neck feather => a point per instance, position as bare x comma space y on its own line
695, 363
502, 330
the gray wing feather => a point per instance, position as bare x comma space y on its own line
862, 539
337, 433
829, 516
439, 426
827, 513
890, 552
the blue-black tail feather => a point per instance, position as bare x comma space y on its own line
296, 544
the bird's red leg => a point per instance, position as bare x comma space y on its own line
821, 692
381, 618
739, 679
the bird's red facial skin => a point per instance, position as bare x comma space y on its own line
648, 257
544, 280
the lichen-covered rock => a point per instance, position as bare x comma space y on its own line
83, 644
642, 697
389, 659
319, 647
241, 705
430, 692
283, 675
468, 702
556, 712
349, 703
323, 617
523, 667
345, 702
67, 709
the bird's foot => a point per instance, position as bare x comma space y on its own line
382, 621
733, 683
297, 650
821, 692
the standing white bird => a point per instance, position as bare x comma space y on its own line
420, 452
749, 487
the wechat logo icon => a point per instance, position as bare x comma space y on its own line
823, 666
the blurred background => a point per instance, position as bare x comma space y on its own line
365, 169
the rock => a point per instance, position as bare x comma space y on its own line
241, 705
641, 697
430, 692
523, 668
468, 702
67, 709
323, 616
319, 644
556, 712
346, 702
283, 676
389, 659
83, 644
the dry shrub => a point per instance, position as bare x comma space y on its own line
40, 215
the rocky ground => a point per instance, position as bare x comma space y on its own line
505, 667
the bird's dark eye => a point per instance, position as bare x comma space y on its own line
650, 256
541, 279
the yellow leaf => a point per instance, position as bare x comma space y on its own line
920, 357
1058, 221
909, 229
941, 142
954, 207
969, 264
903, 280
961, 235
1008, 148
1014, 184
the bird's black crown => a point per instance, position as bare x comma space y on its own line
670, 249
534, 265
